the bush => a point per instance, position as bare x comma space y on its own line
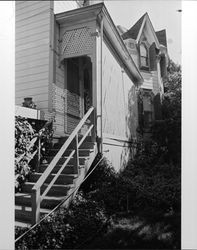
66, 228
26, 144
24, 133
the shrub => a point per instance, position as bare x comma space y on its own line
26, 145
66, 228
24, 134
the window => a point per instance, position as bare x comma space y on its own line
147, 108
143, 56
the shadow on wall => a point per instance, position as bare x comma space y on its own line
129, 149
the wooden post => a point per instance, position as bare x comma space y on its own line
76, 155
93, 121
35, 199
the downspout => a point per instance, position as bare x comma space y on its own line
101, 87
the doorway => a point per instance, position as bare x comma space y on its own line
78, 83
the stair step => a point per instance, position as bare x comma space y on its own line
85, 145
82, 152
69, 169
82, 160
24, 213
48, 202
22, 224
63, 139
56, 190
63, 179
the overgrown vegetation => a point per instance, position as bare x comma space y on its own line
26, 145
66, 228
24, 133
139, 208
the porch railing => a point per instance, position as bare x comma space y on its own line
36, 196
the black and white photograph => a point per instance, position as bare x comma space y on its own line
97, 124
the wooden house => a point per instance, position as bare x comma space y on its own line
149, 51
80, 71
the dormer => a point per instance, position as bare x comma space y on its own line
147, 42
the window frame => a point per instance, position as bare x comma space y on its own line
147, 66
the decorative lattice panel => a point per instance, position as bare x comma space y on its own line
76, 41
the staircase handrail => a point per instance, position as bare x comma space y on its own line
57, 157
36, 195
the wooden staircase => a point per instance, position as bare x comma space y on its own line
70, 177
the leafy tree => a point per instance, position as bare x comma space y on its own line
167, 133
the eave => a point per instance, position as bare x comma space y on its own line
99, 12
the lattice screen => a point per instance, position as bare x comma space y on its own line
76, 41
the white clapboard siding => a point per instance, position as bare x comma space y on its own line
148, 80
31, 78
30, 20
36, 51
61, 6
32, 52
30, 85
32, 32
30, 7
35, 91
31, 64
119, 99
34, 60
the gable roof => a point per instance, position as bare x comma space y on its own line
161, 35
134, 30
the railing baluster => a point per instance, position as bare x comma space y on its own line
76, 155
35, 196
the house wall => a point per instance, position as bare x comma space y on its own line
61, 6
120, 118
32, 52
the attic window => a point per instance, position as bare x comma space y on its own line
143, 56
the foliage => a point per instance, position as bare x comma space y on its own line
26, 145
24, 133
66, 228
167, 133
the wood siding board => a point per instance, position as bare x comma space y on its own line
23, 79
34, 59
32, 52
32, 71
119, 98
30, 65
29, 6
36, 37
32, 92
29, 20
31, 85
37, 50
32, 45
31, 33
34, 10
35, 25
